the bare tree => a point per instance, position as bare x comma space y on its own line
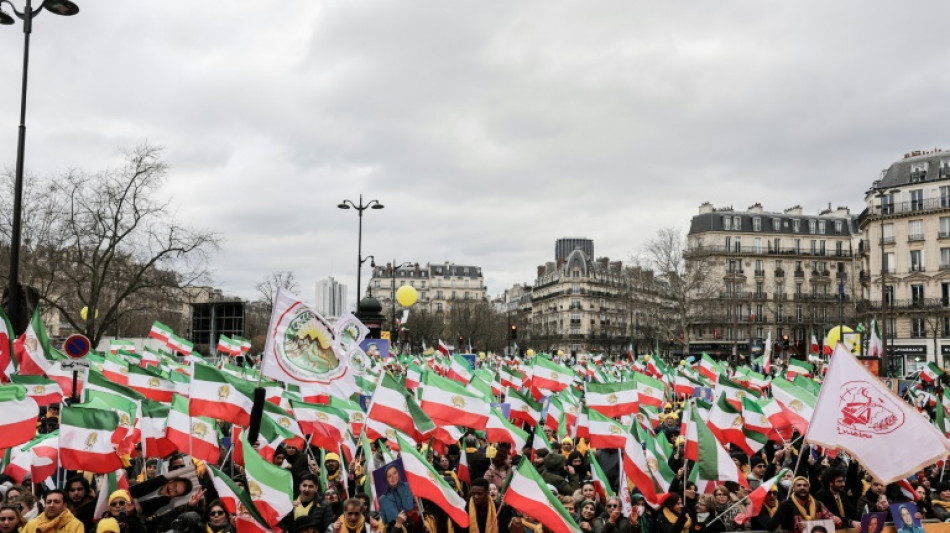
105, 242
267, 289
689, 282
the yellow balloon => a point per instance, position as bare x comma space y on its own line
682, 363
835, 334
481, 355
530, 352
646, 358
84, 314
407, 295
560, 353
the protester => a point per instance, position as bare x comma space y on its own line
612, 521
10, 519
672, 518
587, 515
308, 504
940, 502
801, 507
352, 519
707, 519
56, 518
219, 520
80, 501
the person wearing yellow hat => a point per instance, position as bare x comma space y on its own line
108, 525
567, 446
122, 509
331, 462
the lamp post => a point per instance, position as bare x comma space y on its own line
885, 359
393, 335
360, 207
59, 7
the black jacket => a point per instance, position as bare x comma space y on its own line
322, 511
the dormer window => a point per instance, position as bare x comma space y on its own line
727, 223
796, 225
756, 224
918, 171
776, 224
945, 168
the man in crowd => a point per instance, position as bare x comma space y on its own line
308, 504
500, 466
55, 517
800, 508
80, 501
836, 499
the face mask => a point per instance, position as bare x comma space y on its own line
701, 517
785, 483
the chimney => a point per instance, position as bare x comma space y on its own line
794, 210
705, 207
756, 208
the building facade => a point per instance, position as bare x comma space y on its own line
440, 286
331, 298
784, 274
905, 257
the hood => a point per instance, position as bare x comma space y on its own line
555, 462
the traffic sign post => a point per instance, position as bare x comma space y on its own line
76, 348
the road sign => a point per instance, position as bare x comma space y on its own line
76, 346
75, 364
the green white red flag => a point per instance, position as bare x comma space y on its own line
160, 332
195, 435
270, 486
612, 399
233, 497
757, 497
797, 404
32, 348
18, 414
154, 424
528, 493
930, 372
8, 363
425, 482
550, 376
605, 432
85, 439
151, 384
650, 391
727, 424
499, 429
218, 395
601, 484
523, 407
327, 425
712, 460
448, 402
44, 391
875, 344
637, 470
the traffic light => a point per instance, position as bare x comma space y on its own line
460, 343
514, 332
785, 342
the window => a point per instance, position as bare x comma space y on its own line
814, 247
759, 268
798, 246
945, 293
944, 195
777, 244
891, 327
728, 243
575, 288
796, 225
737, 223
887, 204
821, 227
918, 171
916, 260
780, 313
917, 327
915, 230
838, 227
798, 290
890, 266
799, 316
888, 234
889, 294
944, 258
727, 223
812, 224
917, 294
757, 245
916, 199
944, 227
438, 306
738, 244
776, 224
839, 248
821, 247
759, 290
756, 224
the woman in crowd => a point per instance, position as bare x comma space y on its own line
940, 502
589, 492
13, 494
586, 516
578, 467
28, 508
725, 507
219, 520
122, 508
10, 519
613, 520
924, 504
672, 518
707, 520
444, 466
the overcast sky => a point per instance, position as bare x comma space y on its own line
488, 129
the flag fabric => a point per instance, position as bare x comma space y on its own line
528, 493
121, 344
875, 344
857, 413
18, 414
460, 370
151, 384
44, 391
8, 362
32, 348
393, 406
108, 484
229, 346
650, 391
270, 486
637, 470
215, 394
709, 368
154, 424
499, 429
757, 497
425, 482
327, 425
930, 372
712, 460
160, 332
233, 497
815, 347
448, 402
44, 456
799, 368
551, 376
797, 403
605, 432
443, 348
194, 435
601, 483
523, 407
85, 440
612, 399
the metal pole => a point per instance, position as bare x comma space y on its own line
883, 370
14, 295
359, 250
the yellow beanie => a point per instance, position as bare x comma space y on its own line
108, 525
331, 457
120, 494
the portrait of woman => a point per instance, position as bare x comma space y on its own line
873, 522
394, 494
905, 518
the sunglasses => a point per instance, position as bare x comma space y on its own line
118, 503
609, 505
216, 513
355, 513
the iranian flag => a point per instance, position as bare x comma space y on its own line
194, 435
160, 332
443, 348
44, 456
709, 368
797, 404
930, 373
523, 407
815, 347
18, 413
121, 344
327, 425
637, 470
228, 345
612, 399
550, 375
799, 368
498, 429
657, 458
151, 384
650, 390
270, 486
460, 370
154, 424
601, 484
32, 348
8, 363
875, 344
44, 391
510, 377
391, 407
555, 413
757, 497
85, 440
605, 432
108, 484
425, 482
218, 395
116, 369
448, 402
413, 376
728, 424
684, 385
528, 493
353, 411
234, 497
713, 461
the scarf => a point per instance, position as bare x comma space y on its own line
812, 508
673, 517
334, 477
303, 510
528, 526
941, 504
770, 510
491, 522
46, 525
360, 527
840, 505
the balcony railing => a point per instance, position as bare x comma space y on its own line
759, 273
887, 240
918, 268
716, 249
915, 237
915, 206
907, 305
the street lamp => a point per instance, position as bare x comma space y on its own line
59, 7
885, 359
360, 207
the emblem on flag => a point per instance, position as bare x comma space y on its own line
308, 342
737, 423
224, 392
39, 389
254, 489
615, 430
154, 382
796, 405
458, 401
285, 422
865, 412
612, 399
91, 441
199, 429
